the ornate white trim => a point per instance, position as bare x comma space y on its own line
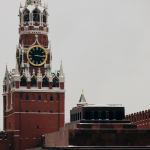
33, 32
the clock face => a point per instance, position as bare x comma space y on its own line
37, 55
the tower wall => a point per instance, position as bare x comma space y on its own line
33, 96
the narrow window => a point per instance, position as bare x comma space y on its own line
51, 111
45, 83
35, 15
37, 126
27, 139
26, 15
39, 111
23, 82
39, 98
146, 116
33, 82
55, 82
134, 118
27, 111
51, 98
27, 97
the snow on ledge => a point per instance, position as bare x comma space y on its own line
103, 105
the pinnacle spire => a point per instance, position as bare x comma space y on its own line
16, 70
20, 5
61, 70
6, 71
82, 100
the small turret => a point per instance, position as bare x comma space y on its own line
82, 100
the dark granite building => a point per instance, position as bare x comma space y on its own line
97, 127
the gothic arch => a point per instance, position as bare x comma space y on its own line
55, 82
45, 82
23, 81
36, 15
33, 82
26, 15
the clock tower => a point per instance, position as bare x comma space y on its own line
33, 96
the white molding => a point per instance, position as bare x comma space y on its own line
33, 32
48, 113
39, 90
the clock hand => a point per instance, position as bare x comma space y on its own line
39, 56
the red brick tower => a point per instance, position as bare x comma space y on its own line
33, 96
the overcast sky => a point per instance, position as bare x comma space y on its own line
104, 45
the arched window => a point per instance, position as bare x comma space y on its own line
26, 16
45, 82
33, 82
55, 82
44, 17
39, 111
23, 82
27, 97
51, 98
39, 98
27, 111
35, 15
51, 111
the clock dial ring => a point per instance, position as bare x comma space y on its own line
37, 55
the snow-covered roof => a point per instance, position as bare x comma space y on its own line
32, 7
103, 105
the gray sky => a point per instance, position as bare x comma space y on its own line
104, 45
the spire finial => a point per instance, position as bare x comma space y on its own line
6, 63
82, 91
